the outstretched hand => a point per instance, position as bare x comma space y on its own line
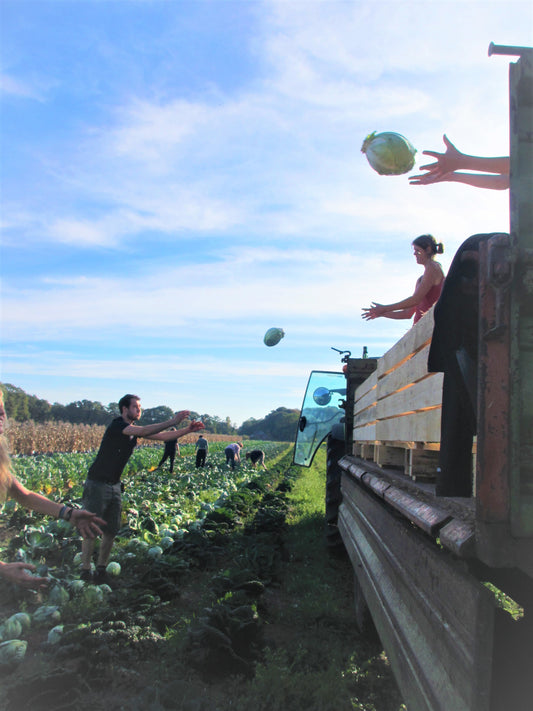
196, 425
20, 574
87, 523
446, 163
372, 312
180, 416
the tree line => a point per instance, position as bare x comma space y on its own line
280, 425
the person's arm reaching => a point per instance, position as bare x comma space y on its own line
176, 434
149, 430
492, 172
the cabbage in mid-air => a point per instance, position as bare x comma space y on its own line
389, 153
273, 336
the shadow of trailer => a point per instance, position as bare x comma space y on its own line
444, 571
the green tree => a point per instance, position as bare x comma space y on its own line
16, 403
153, 415
280, 425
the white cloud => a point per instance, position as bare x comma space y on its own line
191, 224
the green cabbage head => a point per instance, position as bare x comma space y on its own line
273, 336
389, 153
11, 629
113, 568
13, 651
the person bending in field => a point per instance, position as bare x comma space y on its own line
490, 173
256, 456
233, 454
102, 491
87, 523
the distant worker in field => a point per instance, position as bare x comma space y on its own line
102, 492
202, 448
87, 523
233, 454
491, 173
427, 290
256, 456
171, 449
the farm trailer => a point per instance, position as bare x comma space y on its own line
438, 577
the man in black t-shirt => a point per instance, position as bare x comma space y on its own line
102, 491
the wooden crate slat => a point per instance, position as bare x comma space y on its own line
423, 394
368, 399
366, 386
364, 417
421, 427
412, 341
365, 432
410, 371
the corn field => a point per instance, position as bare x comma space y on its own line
35, 438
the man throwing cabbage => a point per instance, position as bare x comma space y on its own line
103, 490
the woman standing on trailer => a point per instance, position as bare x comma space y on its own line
428, 286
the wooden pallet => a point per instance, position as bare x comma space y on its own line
397, 409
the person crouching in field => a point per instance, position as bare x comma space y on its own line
233, 454
256, 456
87, 523
102, 492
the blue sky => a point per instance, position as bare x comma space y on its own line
179, 176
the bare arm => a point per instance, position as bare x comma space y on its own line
176, 434
31, 500
405, 308
476, 180
148, 430
452, 160
398, 315
87, 523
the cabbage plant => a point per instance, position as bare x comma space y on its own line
12, 651
11, 629
389, 153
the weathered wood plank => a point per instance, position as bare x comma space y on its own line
365, 432
389, 456
421, 463
421, 426
365, 417
423, 394
363, 393
410, 371
417, 336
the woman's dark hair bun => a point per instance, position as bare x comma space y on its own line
426, 241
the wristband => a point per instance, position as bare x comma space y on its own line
62, 510
68, 515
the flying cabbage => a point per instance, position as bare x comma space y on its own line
273, 336
389, 153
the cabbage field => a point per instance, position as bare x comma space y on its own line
195, 617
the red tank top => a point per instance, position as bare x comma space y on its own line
427, 302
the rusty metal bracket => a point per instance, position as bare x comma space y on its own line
500, 266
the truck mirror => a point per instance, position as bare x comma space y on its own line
322, 396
